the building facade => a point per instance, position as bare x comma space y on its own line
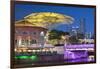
26, 34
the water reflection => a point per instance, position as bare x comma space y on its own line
86, 59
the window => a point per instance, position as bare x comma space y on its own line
25, 32
33, 33
23, 42
33, 42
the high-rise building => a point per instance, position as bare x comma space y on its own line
82, 26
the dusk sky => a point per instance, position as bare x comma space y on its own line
22, 10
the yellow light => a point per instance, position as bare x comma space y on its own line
43, 50
38, 50
15, 49
19, 50
24, 50
63, 37
33, 50
42, 18
29, 50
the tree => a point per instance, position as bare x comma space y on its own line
73, 40
80, 36
55, 35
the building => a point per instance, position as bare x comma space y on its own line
31, 38
26, 34
82, 26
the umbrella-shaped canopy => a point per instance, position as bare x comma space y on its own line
45, 19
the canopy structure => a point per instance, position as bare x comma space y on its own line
46, 19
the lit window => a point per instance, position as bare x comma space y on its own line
23, 42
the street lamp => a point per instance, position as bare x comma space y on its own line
42, 39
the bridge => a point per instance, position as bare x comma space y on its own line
78, 51
80, 47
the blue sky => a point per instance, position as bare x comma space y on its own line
22, 10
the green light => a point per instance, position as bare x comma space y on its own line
33, 57
24, 57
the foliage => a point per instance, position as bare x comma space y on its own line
55, 36
80, 36
73, 40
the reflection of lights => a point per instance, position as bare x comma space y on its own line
75, 55
38, 50
47, 50
43, 50
33, 50
24, 50
33, 57
29, 50
19, 50
23, 57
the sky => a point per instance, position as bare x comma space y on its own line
22, 10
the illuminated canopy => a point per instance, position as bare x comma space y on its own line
45, 20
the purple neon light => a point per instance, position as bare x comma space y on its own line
79, 54
75, 55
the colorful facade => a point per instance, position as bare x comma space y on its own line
26, 34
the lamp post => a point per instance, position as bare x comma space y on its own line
42, 39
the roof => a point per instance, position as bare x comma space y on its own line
23, 23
